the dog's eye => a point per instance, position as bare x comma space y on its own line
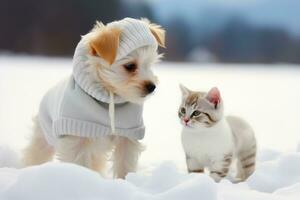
130, 67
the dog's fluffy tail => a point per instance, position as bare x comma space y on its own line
8, 157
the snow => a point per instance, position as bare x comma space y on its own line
8, 157
68, 181
266, 97
278, 173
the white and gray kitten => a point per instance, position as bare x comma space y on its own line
211, 140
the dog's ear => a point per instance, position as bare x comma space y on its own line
105, 43
159, 34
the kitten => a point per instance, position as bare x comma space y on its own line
211, 140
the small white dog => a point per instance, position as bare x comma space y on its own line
98, 110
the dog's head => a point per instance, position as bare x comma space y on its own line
122, 55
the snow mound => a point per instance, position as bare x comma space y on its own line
8, 157
267, 155
290, 192
67, 181
274, 174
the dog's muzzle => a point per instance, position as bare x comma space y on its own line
150, 87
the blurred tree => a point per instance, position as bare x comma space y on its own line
51, 27
178, 40
137, 9
54, 28
239, 41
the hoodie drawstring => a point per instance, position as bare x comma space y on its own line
112, 112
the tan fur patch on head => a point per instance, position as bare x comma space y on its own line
192, 98
105, 43
158, 32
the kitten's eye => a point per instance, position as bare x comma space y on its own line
196, 113
182, 110
130, 67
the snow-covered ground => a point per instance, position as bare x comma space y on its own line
267, 97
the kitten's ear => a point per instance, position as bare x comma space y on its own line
184, 90
214, 96
106, 42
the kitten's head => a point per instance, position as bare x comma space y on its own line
200, 109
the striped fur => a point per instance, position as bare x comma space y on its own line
196, 170
221, 169
246, 162
212, 141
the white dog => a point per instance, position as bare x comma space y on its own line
98, 110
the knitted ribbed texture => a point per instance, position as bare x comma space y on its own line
70, 107
134, 34
68, 126
86, 80
68, 110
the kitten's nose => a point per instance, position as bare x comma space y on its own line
186, 120
150, 87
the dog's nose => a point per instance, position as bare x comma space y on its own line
150, 87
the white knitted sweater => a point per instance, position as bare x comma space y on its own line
79, 105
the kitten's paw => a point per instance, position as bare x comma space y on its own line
217, 176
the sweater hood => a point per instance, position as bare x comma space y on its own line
88, 81
134, 34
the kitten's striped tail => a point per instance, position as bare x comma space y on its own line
246, 163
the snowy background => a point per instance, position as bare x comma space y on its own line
266, 97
